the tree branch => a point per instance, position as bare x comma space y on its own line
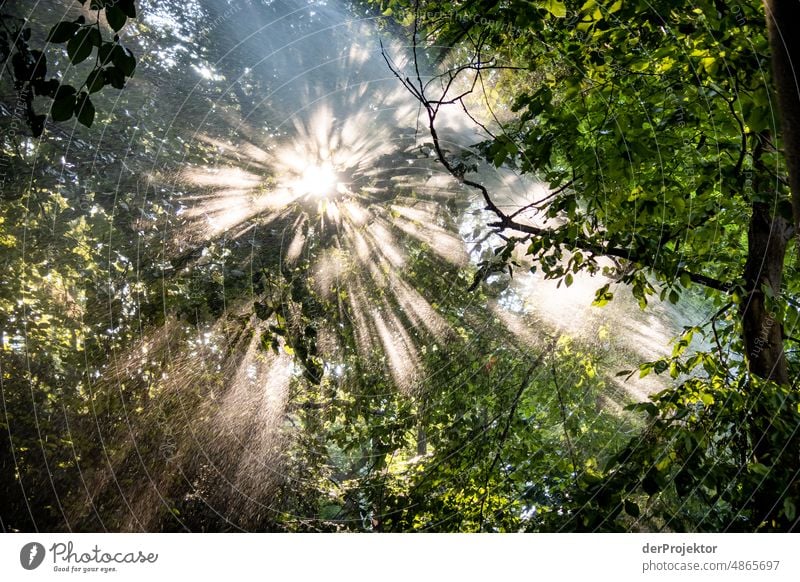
506, 221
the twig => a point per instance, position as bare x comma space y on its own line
505, 221
550, 196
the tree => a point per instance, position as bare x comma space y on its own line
785, 47
598, 126
662, 150
170, 363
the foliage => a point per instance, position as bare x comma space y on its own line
138, 344
719, 455
113, 64
648, 134
656, 141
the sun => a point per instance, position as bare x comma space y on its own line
317, 180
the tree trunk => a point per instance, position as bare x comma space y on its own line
783, 24
763, 332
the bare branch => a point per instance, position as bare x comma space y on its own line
505, 221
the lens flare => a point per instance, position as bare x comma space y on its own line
317, 180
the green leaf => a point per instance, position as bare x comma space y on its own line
116, 17
105, 51
95, 37
46, 88
632, 508
554, 7
124, 60
602, 296
262, 310
330, 511
277, 330
39, 70
128, 8
37, 124
85, 110
63, 108
673, 296
64, 91
20, 66
789, 509
63, 31
651, 482
114, 77
95, 81
499, 157
79, 47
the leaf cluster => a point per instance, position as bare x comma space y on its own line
114, 64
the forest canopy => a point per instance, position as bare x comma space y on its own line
399, 265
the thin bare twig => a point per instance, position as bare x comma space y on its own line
506, 222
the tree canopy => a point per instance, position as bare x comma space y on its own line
280, 274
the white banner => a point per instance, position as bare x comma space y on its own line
388, 557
